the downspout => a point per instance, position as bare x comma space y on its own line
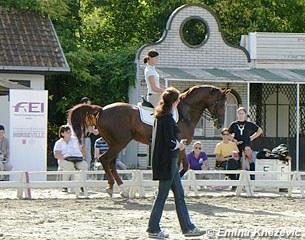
297, 139
248, 97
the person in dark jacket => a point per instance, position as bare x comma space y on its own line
165, 150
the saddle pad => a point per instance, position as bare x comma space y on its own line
146, 114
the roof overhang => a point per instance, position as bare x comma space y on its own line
5, 85
255, 75
36, 70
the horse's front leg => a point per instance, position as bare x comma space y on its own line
182, 159
123, 191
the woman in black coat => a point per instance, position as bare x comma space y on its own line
165, 150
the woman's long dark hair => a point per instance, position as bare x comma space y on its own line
168, 97
247, 145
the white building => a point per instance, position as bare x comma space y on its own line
266, 74
29, 50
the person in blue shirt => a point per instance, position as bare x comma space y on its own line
197, 159
100, 146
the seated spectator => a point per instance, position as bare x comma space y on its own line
69, 154
232, 163
5, 164
248, 160
227, 156
224, 149
197, 159
100, 147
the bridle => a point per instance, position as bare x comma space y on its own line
205, 112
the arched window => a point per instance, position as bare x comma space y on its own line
231, 107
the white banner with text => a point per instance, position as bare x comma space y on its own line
28, 130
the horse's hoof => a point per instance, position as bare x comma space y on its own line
124, 194
109, 191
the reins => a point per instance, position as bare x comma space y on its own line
205, 112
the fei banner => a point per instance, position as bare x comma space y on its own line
28, 130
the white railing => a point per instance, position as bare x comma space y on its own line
138, 181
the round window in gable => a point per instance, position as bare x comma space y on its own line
194, 32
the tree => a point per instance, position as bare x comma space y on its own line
240, 17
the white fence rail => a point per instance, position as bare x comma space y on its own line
138, 181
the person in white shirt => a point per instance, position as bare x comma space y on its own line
154, 88
69, 154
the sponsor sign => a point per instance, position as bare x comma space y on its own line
28, 130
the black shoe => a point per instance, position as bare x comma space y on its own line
65, 190
82, 189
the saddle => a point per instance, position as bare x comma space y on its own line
146, 103
74, 159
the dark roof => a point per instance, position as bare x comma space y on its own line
256, 75
28, 43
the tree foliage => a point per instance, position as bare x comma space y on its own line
240, 17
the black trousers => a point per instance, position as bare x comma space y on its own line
252, 168
231, 164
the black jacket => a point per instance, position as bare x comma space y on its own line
164, 141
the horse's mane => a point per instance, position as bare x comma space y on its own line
81, 116
188, 91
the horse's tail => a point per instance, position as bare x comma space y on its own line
81, 116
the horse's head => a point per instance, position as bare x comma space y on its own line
218, 106
206, 100
81, 116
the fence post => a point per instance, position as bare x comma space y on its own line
83, 179
299, 178
77, 178
28, 194
141, 188
294, 179
248, 183
135, 181
187, 181
241, 180
21, 181
193, 181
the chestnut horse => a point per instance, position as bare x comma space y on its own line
119, 123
